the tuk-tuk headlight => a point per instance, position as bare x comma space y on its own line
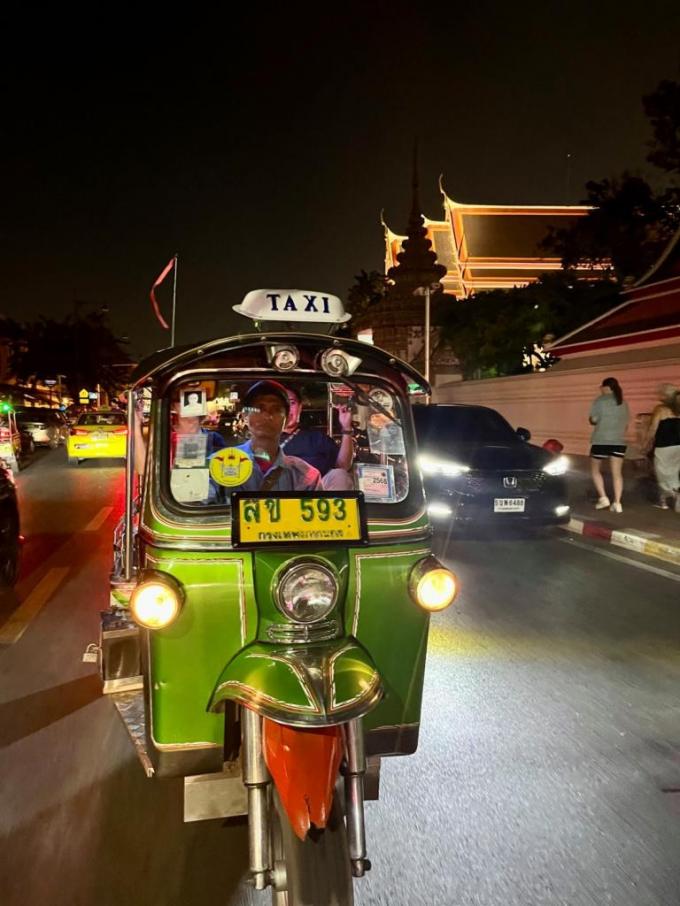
156, 602
306, 592
284, 358
338, 363
432, 585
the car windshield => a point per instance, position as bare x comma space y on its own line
102, 419
342, 436
446, 426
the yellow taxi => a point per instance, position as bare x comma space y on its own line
101, 434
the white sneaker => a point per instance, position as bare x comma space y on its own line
616, 508
602, 503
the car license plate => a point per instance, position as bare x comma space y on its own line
288, 518
509, 504
99, 435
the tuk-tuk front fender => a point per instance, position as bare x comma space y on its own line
307, 686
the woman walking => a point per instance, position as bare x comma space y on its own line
609, 414
664, 437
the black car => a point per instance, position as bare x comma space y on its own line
9, 529
477, 469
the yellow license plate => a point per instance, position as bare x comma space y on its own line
287, 518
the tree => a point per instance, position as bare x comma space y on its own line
492, 332
662, 108
624, 233
369, 287
83, 349
631, 223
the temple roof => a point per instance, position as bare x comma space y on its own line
649, 312
490, 246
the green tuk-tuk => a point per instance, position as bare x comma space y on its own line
268, 626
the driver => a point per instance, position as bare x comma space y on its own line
266, 408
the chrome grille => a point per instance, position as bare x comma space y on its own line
299, 633
492, 482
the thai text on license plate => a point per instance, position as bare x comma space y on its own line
292, 519
509, 504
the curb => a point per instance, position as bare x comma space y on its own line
629, 539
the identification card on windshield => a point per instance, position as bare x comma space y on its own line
377, 482
191, 450
292, 518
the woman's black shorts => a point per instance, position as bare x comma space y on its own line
604, 451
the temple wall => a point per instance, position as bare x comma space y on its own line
556, 403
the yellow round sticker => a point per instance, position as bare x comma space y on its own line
231, 467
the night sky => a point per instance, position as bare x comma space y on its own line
262, 146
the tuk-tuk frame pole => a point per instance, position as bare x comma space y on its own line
129, 486
427, 334
174, 301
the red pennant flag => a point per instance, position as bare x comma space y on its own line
157, 282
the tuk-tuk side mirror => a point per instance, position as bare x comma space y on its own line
524, 434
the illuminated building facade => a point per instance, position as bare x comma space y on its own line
485, 246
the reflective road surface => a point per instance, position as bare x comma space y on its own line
549, 764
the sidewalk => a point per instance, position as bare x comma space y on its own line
641, 527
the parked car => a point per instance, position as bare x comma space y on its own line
9, 529
477, 469
100, 434
47, 427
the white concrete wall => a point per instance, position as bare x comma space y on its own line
556, 403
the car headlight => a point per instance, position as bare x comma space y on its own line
444, 467
156, 602
306, 592
439, 510
432, 585
558, 466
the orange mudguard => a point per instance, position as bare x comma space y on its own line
304, 765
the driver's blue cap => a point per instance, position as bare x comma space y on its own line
261, 388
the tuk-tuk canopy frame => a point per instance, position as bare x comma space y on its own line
162, 364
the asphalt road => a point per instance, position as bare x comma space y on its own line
549, 764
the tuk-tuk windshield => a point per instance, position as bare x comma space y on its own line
284, 435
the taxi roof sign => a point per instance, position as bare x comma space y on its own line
297, 307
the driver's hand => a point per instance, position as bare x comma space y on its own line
345, 417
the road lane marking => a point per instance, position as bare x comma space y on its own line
621, 559
95, 524
21, 619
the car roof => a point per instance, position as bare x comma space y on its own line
455, 406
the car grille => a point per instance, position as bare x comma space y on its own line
492, 482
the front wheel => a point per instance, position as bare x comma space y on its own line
315, 871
